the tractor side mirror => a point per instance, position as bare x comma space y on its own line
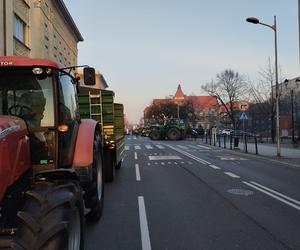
89, 76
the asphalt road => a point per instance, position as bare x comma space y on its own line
184, 195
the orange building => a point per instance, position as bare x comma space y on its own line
206, 108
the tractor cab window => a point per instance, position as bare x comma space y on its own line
25, 95
68, 113
30, 97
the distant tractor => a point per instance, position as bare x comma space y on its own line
174, 129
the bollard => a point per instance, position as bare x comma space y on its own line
246, 148
210, 140
256, 150
225, 141
206, 138
219, 141
230, 141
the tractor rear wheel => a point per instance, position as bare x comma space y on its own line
94, 194
155, 135
52, 218
173, 134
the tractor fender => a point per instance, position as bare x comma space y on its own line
83, 155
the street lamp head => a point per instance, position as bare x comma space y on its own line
252, 20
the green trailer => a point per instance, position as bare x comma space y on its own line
99, 105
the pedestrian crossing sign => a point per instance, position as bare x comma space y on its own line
243, 116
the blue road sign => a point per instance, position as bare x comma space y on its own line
243, 116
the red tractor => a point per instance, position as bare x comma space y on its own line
50, 158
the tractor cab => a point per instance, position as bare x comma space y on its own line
43, 94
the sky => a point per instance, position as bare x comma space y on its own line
144, 49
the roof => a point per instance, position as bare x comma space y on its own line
22, 61
162, 101
68, 18
179, 93
203, 101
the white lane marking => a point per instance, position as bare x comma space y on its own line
272, 195
137, 147
214, 166
232, 159
193, 146
134, 137
164, 157
201, 146
156, 163
231, 175
275, 192
182, 147
149, 163
137, 172
127, 147
190, 155
160, 146
182, 162
145, 237
169, 162
148, 147
135, 156
162, 163
175, 163
190, 163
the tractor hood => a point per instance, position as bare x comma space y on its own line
14, 151
10, 125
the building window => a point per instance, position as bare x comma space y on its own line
19, 29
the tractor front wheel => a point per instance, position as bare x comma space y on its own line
155, 135
173, 134
52, 218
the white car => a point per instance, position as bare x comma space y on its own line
226, 131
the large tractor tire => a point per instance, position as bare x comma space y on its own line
173, 134
52, 218
155, 135
109, 165
94, 194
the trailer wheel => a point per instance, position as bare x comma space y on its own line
94, 195
52, 218
118, 166
109, 165
155, 135
173, 134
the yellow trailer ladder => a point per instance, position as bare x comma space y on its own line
96, 108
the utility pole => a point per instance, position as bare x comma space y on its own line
4, 29
299, 27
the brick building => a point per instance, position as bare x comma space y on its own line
205, 107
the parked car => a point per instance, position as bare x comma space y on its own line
226, 131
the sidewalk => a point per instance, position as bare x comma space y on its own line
269, 150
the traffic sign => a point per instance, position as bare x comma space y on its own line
243, 116
243, 106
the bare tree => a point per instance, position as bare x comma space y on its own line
264, 92
229, 87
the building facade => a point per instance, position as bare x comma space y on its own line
39, 29
206, 108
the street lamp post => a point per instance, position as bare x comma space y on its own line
254, 20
